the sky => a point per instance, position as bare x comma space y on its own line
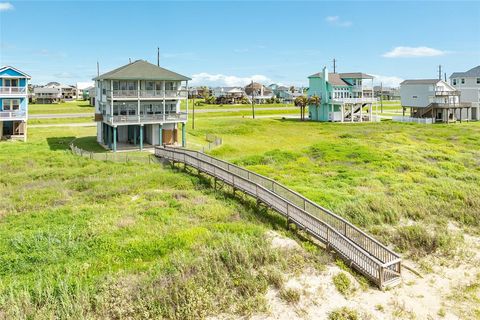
230, 43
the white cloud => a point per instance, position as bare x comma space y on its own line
208, 79
387, 81
407, 52
5, 6
337, 22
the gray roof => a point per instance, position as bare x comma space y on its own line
472, 73
141, 70
356, 75
421, 81
336, 80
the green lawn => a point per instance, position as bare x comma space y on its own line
199, 104
64, 107
61, 120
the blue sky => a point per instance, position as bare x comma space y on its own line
229, 43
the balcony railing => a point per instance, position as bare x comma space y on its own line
11, 115
445, 93
168, 117
13, 90
355, 100
158, 94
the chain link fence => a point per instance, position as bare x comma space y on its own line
213, 141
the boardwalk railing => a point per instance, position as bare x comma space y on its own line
362, 252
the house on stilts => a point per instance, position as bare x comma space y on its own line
139, 105
344, 97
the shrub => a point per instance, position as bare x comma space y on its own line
343, 313
342, 283
290, 295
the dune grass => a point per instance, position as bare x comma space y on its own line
90, 239
403, 182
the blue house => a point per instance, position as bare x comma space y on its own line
344, 97
13, 103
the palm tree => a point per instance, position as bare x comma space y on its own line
314, 101
302, 102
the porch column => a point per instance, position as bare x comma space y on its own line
370, 112
138, 100
114, 139
160, 135
343, 111
141, 137
184, 137
164, 96
352, 107
361, 112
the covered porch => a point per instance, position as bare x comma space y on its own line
140, 136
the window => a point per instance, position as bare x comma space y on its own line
478, 80
414, 97
463, 81
454, 81
11, 104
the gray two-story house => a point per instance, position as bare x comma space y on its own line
468, 83
138, 105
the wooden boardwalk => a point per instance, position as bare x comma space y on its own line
359, 250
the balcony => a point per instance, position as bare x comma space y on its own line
13, 115
147, 94
146, 118
13, 90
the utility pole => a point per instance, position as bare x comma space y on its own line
193, 110
98, 69
158, 56
439, 72
253, 103
381, 97
445, 76
334, 65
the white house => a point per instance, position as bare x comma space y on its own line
468, 83
231, 95
138, 104
433, 99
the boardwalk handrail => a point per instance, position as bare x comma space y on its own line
364, 253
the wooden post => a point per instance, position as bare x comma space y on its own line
141, 137
114, 139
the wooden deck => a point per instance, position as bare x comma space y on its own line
358, 249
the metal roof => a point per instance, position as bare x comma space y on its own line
472, 73
141, 70
421, 81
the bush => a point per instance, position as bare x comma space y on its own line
342, 283
419, 241
344, 313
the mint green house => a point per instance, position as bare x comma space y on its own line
344, 97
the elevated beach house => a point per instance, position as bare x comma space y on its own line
468, 83
433, 100
13, 103
344, 97
138, 105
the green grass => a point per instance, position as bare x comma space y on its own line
381, 176
64, 107
199, 105
60, 120
92, 239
